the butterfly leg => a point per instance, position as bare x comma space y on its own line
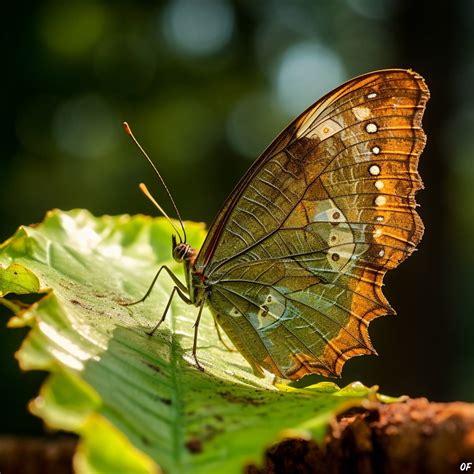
196, 328
165, 312
147, 294
219, 335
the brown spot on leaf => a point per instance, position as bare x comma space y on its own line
194, 445
233, 398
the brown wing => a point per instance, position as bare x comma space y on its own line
315, 224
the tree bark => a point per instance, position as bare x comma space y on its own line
36, 455
412, 437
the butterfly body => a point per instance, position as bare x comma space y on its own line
292, 266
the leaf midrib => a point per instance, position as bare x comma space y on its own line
177, 430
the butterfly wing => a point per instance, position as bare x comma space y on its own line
296, 257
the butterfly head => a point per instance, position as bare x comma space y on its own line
183, 252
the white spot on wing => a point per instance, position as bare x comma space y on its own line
339, 235
371, 127
339, 256
380, 200
361, 113
374, 170
379, 185
271, 310
375, 150
322, 130
328, 212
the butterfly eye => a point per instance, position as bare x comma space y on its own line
177, 254
183, 252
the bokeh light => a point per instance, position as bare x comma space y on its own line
375, 9
306, 71
198, 27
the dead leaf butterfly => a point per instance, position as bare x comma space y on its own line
292, 266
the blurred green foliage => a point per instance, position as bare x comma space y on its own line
206, 85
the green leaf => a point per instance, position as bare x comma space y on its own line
17, 279
139, 401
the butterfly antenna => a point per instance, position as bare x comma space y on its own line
145, 191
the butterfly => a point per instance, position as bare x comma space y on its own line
292, 266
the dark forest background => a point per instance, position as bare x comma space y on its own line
206, 85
